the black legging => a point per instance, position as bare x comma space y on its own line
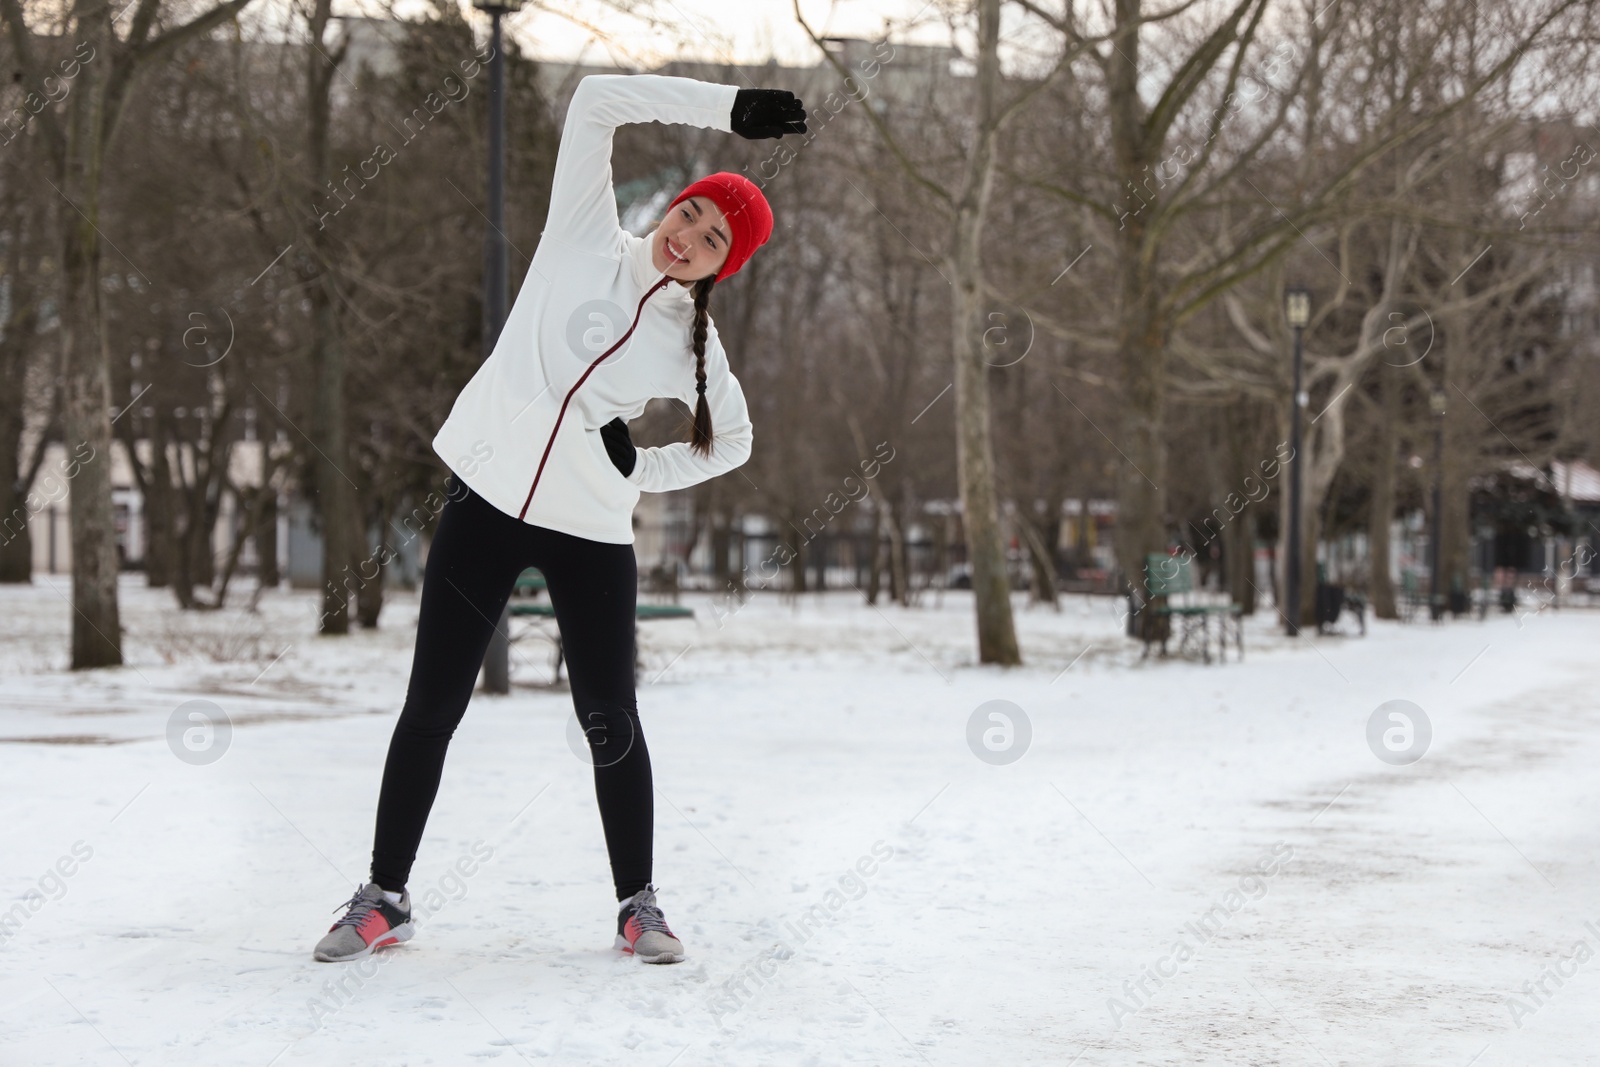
473, 563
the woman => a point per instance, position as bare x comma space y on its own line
543, 475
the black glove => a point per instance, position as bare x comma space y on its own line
759, 113
619, 445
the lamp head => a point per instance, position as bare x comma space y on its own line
1297, 306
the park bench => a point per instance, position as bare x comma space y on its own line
1413, 597
1333, 599
530, 583
1167, 577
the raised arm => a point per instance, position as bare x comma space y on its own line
678, 466
583, 207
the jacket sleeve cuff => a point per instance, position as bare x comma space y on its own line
640, 460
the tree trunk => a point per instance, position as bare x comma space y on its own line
737, 572
369, 595
1455, 529
879, 555
1380, 517
1240, 434
817, 562
1050, 533
86, 399
802, 557
205, 559
997, 639
160, 541
374, 560
721, 537
266, 536
1141, 341
1083, 547
991, 589
1040, 559
1310, 532
1141, 353
941, 554
187, 532
1239, 560
899, 578
201, 501
16, 349
333, 494
250, 505
16, 546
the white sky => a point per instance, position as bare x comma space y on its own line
740, 30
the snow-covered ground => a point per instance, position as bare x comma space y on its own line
1187, 865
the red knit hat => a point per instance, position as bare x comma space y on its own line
746, 210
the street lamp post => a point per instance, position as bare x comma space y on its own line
1297, 309
496, 284
1435, 594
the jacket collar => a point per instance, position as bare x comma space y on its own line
645, 273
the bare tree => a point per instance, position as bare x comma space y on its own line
76, 146
964, 204
1210, 189
24, 237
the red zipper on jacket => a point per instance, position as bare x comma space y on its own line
600, 359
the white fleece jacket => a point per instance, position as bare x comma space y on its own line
590, 279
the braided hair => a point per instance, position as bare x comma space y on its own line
700, 437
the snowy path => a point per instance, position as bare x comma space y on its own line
795, 749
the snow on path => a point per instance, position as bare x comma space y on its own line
853, 884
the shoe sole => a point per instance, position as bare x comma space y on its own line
621, 944
400, 933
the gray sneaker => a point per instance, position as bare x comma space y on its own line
642, 930
371, 923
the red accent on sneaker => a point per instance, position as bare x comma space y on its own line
631, 930
373, 926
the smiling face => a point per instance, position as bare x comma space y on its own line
692, 241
